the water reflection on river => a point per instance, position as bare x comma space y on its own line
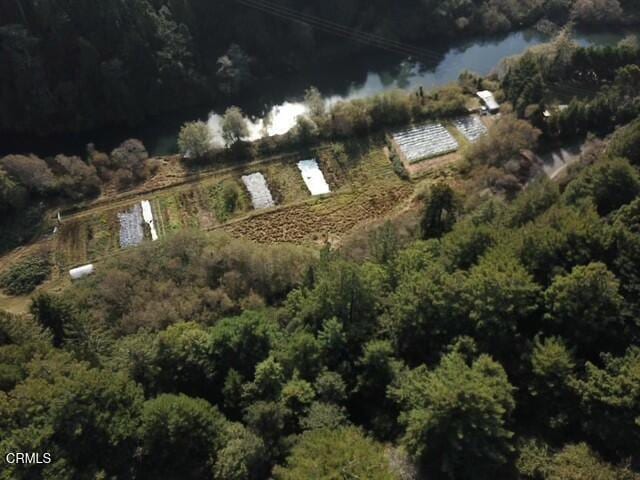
280, 100
480, 56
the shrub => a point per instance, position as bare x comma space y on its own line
626, 143
398, 167
31, 171
24, 277
506, 138
226, 201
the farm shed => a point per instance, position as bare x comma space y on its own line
489, 100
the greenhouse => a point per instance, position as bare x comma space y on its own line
471, 127
131, 231
425, 141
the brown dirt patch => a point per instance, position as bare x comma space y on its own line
426, 166
320, 220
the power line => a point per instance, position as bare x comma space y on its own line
337, 27
341, 30
370, 39
366, 37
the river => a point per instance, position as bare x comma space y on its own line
281, 99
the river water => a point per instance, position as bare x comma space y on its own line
281, 100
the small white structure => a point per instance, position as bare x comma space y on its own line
81, 272
147, 214
259, 191
489, 100
313, 177
552, 111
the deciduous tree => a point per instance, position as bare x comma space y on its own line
195, 139
456, 416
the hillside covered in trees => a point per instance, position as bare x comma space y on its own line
502, 345
77, 65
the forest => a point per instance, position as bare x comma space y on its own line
501, 344
498, 339
72, 65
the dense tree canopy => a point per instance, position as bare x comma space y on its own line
502, 344
456, 416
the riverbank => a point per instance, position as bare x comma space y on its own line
281, 100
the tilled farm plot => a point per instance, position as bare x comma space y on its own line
88, 238
82, 239
320, 220
96, 234
371, 192
364, 187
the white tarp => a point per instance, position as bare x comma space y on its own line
81, 272
147, 214
259, 191
131, 232
425, 141
313, 177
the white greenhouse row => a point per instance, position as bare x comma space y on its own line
425, 141
471, 127
258, 190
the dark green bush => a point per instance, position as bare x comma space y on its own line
24, 277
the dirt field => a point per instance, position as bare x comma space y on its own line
370, 190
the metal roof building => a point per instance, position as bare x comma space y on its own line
489, 100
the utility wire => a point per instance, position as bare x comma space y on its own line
341, 30
371, 39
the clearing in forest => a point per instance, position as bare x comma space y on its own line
358, 173
204, 203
